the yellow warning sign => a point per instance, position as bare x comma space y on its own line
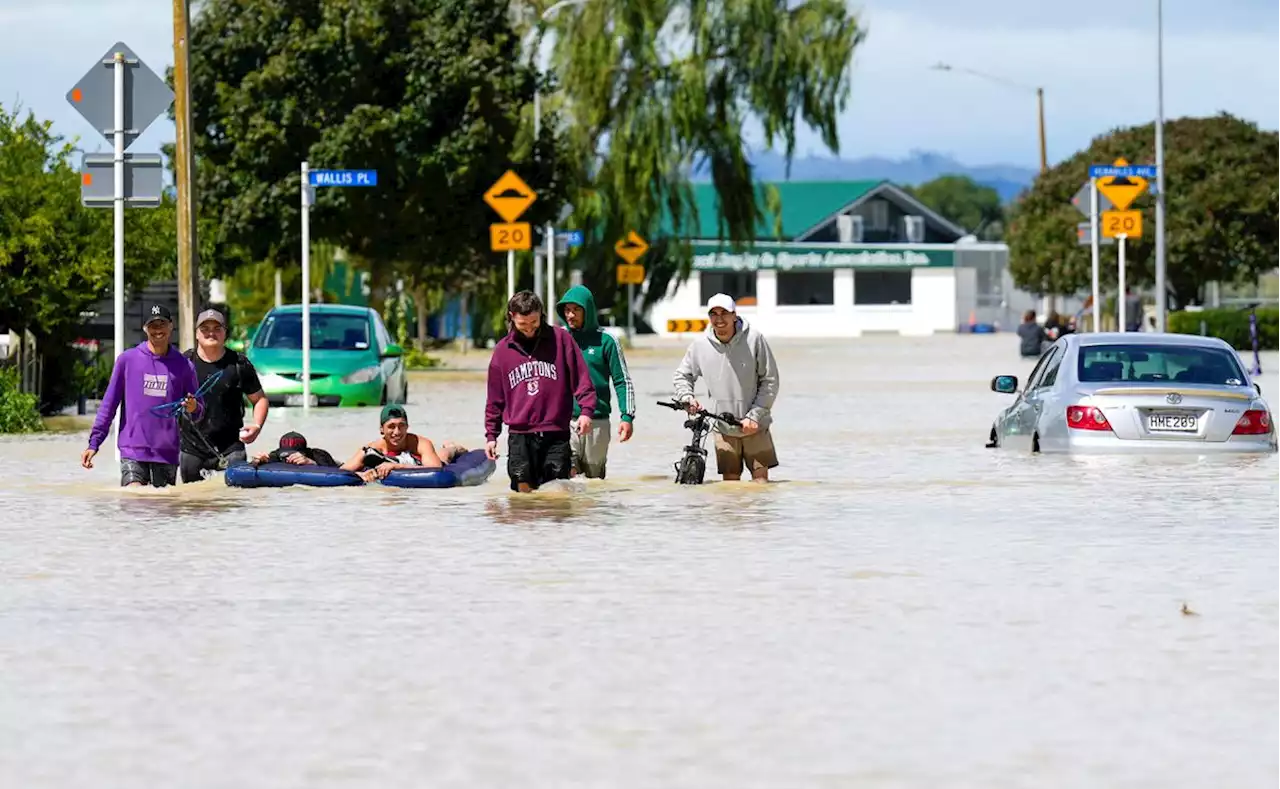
1122, 190
630, 274
510, 196
631, 248
688, 326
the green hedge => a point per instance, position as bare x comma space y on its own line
1231, 325
19, 411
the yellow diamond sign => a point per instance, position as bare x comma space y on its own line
631, 248
510, 196
1122, 190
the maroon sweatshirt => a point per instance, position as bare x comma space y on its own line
533, 392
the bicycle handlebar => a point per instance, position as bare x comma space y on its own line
726, 417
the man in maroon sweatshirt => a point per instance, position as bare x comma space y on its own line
536, 373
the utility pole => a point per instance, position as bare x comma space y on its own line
1162, 274
184, 177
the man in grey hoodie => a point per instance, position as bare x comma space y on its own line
742, 378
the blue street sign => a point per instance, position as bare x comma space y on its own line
571, 238
344, 177
1128, 171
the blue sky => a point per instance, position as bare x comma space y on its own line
1096, 60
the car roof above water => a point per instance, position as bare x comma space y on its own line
333, 309
1148, 338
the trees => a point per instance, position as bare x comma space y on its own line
650, 91
427, 93
56, 256
1221, 210
967, 203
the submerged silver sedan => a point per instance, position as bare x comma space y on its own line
1135, 392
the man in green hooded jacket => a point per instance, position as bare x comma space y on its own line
606, 363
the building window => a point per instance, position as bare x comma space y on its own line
882, 287
806, 287
739, 285
878, 211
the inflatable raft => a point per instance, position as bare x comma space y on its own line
470, 468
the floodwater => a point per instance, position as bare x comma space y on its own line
904, 608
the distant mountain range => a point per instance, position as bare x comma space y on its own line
921, 166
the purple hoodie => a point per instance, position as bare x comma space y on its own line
140, 380
534, 392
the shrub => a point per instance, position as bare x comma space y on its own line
415, 359
1231, 325
19, 410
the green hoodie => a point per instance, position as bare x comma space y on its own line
604, 358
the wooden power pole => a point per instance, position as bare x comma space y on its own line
184, 165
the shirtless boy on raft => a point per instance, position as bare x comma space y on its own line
398, 448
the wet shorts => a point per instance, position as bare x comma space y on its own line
193, 466
591, 451
157, 475
535, 458
754, 452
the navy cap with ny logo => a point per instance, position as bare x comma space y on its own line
156, 312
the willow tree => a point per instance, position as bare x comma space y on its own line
652, 90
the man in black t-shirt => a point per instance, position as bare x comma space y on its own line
222, 430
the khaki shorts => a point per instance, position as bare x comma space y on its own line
591, 452
754, 452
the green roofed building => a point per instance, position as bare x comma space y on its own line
851, 257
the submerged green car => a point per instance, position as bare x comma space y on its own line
353, 360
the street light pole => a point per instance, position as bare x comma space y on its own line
1044, 159
1161, 273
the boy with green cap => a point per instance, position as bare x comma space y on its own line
606, 364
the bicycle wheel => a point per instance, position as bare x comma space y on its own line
691, 470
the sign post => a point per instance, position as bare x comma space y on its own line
1093, 247
510, 197
310, 180
120, 97
1120, 299
1120, 183
631, 249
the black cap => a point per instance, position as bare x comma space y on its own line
155, 312
291, 442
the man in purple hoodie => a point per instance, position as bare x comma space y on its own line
535, 374
150, 374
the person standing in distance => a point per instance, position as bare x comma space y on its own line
222, 428
536, 374
606, 363
149, 374
742, 378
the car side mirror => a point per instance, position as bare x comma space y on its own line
1004, 384
1258, 387
392, 350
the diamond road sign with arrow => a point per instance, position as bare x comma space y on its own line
146, 96
631, 248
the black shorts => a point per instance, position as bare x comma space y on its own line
157, 475
535, 458
194, 465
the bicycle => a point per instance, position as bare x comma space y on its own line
691, 468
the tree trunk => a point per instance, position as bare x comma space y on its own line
420, 307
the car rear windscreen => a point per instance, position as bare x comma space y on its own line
1125, 363
328, 332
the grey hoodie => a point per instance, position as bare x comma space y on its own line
741, 375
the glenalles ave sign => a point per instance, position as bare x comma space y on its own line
786, 257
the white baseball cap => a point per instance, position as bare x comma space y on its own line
722, 301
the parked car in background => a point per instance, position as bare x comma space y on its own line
353, 360
1143, 393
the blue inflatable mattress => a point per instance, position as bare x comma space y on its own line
468, 469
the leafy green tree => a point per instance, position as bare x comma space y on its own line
1221, 211
56, 256
651, 91
429, 94
964, 201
